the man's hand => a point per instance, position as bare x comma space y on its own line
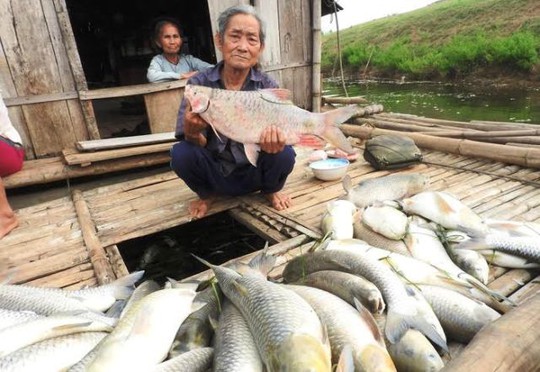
272, 140
194, 125
187, 75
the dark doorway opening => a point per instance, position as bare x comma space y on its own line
114, 41
217, 238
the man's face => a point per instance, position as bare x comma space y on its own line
240, 44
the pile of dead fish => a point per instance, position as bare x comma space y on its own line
403, 273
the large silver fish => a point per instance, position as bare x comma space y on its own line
234, 346
347, 287
460, 316
12, 317
287, 331
525, 247
402, 307
349, 326
244, 115
392, 187
54, 354
338, 219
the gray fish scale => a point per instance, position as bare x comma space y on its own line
11, 317
272, 312
249, 111
196, 360
235, 348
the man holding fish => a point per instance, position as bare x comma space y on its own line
212, 165
238, 127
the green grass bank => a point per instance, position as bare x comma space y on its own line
449, 39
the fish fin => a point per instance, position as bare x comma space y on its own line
277, 95
214, 323
125, 285
346, 361
263, 262
332, 133
398, 323
310, 140
240, 288
370, 321
252, 152
216, 133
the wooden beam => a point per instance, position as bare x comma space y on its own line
114, 143
130, 90
96, 252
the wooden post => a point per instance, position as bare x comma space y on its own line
316, 69
98, 256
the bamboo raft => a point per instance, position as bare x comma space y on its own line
72, 242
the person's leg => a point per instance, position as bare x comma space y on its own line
274, 170
8, 220
196, 167
11, 161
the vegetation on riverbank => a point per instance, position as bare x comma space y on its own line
448, 39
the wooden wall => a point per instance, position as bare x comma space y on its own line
40, 74
288, 51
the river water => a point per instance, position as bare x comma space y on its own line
447, 101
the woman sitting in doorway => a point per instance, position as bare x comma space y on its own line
171, 64
11, 161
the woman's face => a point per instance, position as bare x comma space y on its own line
240, 44
169, 39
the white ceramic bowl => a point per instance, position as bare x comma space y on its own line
330, 169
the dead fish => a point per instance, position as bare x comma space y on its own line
414, 352
234, 346
338, 219
348, 287
402, 307
514, 228
12, 317
524, 247
460, 316
392, 187
55, 354
445, 210
364, 233
469, 261
286, 330
243, 116
387, 221
349, 326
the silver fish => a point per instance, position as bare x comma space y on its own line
392, 187
235, 348
244, 115
287, 331
55, 354
524, 247
338, 219
349, 326
347, 287
460, 316
144, 334
12, 317
196, 360
21, 335
387, 221
364, 233
402, 307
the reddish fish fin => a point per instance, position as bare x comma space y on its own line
276, 95
310, 140
332, 133
252, 152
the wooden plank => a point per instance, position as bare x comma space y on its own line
268, 11
162, 109
527, 291
40, 98
511, 281
57, 170
130, 90
114, 143
73, 157
117, 263
96, 251
266, 232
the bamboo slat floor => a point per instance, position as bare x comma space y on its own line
49, 249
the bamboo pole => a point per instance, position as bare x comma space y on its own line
503, 153
96, 252
344, 100
316, 68
511, 343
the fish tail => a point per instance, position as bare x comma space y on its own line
264, 262
124, 287
332, 133
397, 324
483, 288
